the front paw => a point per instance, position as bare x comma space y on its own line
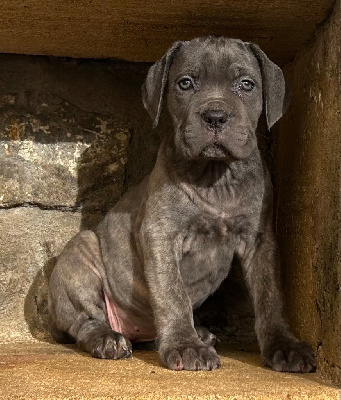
110, 345
190, 357
289, 355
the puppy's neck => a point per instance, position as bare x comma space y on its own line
207, 173
212, 184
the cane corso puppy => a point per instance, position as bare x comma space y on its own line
168, 244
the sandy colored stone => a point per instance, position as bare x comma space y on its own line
63, 143
30, 239
45, 371
141, 31
307, 167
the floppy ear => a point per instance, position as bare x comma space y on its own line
276, 95
155, 83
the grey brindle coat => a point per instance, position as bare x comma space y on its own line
168, 244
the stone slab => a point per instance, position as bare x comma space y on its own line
67, 144
308, 169
141, 31
30, 240
45, 371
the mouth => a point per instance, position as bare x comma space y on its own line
215, 151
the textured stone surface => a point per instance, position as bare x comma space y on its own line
73, 136
30, 239
141, 31
64, 142
307, 168
44, 371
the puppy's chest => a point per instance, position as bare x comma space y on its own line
208, 249
217, 230
211, 241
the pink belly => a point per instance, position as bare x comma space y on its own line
120, 321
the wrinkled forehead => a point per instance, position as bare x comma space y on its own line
215, 58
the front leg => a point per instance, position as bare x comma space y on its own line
280, 350
178, 343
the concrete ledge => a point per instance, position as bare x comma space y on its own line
47, 371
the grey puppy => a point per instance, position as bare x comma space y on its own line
168, 243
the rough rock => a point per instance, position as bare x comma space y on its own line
307, 164
141, 31
66, 144
30, 240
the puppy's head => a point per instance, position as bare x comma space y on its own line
217, 88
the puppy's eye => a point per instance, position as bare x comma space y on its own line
247, 85
185, 83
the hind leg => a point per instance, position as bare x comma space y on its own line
76, 305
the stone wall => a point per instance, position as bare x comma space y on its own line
74, 135
307, 170
141, 30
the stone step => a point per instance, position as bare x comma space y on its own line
39, 370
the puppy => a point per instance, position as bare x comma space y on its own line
169, 243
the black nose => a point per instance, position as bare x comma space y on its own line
215, 118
